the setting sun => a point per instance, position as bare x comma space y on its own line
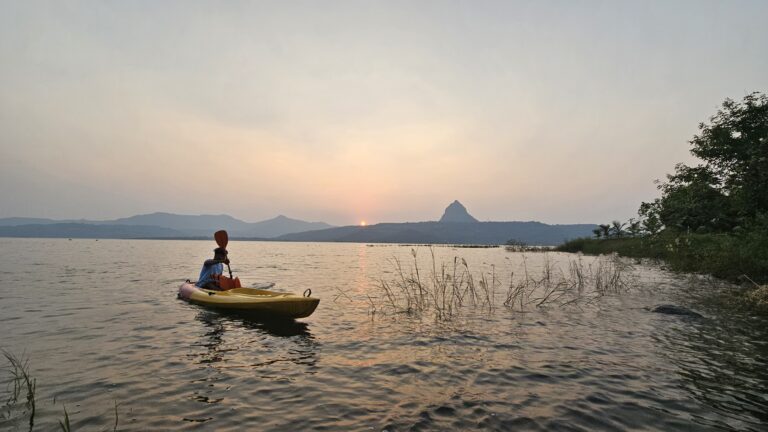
363, 223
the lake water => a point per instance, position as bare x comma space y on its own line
100, 324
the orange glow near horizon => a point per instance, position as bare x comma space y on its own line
363, 223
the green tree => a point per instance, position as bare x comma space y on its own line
598, 232
734, 148
730, 186
650, 217
617, 228
605, 229
693, 200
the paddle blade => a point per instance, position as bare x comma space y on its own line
222, 238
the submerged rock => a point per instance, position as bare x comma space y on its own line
675, 310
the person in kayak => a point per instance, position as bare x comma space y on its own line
211, 276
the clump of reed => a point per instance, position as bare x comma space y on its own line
444, 290
447, 289
20, 383
21, 388
577, 285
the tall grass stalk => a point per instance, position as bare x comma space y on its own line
64, 424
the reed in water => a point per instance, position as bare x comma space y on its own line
20, 400
448, 288
20, 383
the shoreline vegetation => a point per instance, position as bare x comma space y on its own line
738, 259
729, 257
711, 218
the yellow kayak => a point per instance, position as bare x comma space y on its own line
252, 300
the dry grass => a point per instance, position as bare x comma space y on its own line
758, 296
447, 289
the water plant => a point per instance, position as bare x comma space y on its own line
449, 288
443, 291
20, 382
578, 285
65, 426
21, 400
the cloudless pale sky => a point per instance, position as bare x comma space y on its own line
558, 111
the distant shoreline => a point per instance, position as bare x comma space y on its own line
372, 243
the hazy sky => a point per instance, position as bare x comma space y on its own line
562, 112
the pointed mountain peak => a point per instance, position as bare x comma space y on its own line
283, 218
456, 212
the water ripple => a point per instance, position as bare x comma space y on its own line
174, 366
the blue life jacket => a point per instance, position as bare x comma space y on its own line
206, 274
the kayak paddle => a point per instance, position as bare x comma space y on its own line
222, 238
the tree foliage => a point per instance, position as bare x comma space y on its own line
729, 187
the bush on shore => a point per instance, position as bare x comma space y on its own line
723, 255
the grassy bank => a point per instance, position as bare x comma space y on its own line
726, 256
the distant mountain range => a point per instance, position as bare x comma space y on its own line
161, 225
456, 226
498, 233
81, 230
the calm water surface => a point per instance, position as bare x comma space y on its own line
100, 323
